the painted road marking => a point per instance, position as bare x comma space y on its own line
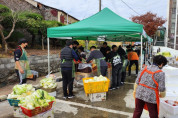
97, 108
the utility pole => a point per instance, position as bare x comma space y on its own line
67, 19
99, 5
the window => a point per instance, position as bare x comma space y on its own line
173, 16
172, 25
173, 10
172, 31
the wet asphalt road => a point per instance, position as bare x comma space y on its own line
119, 104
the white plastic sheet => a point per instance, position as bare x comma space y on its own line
83, 66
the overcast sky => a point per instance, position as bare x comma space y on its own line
82, 9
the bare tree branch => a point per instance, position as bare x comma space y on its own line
1, 33
14, 20
12, 30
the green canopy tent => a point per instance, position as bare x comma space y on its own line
105, 24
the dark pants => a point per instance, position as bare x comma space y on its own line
21, 81
103, 70
67, 82
130, 65
123, 76
116, 75
152, 108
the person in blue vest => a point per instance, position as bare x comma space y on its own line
116, 62
99, 59
21, 61
68, 68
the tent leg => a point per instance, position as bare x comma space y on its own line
141, 62
86, 43
48, 56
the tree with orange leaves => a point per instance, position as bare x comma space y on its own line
150, 22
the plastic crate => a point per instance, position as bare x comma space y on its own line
13, 102
96, 87
37, 110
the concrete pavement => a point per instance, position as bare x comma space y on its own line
119, 104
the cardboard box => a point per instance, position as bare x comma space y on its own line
79, 75
47, 114
94, 97
18, 112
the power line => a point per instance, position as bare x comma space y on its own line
86, 10
114, 5
130, 7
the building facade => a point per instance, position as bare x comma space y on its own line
48, 12
51, 13
172, 25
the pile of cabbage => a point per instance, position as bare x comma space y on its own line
48, 83
39, 98
20, 91
166, 54
96, 79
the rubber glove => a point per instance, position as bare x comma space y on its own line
162, 94
134, 92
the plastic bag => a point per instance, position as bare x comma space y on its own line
83, 66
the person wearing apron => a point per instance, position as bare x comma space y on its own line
149, 87
125, 62
99, 59
68, 69
21, 62
116, 62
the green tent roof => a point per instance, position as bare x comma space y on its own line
104, 23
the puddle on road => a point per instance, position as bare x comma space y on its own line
130, 103
62, 107
129, 99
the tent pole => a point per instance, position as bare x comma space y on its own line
86, 43
48, 56
141, 62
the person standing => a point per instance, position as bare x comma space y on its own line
133, 58
75, 48
82, 53
75, 45
100, 61
124, 59
105, 48
68, 68
116, 62
21, 62
149, 87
